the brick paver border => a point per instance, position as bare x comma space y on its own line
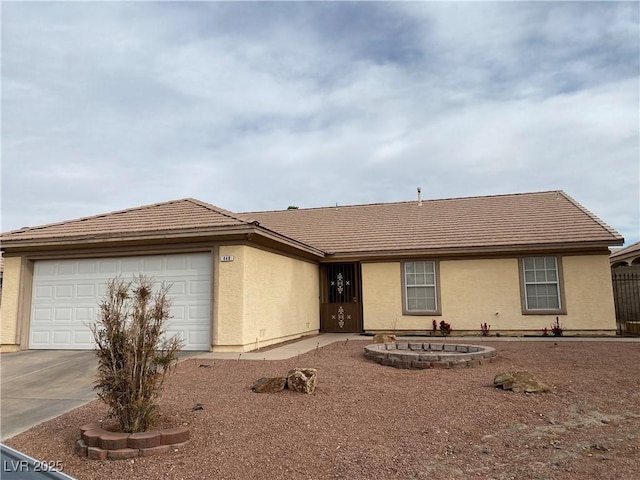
96, 443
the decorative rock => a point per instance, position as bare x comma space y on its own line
519, 382
302, 380
384, 338
269, 384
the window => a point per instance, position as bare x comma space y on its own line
420, 291
542, 286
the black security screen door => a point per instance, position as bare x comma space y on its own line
341, 308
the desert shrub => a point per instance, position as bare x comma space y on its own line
445, 328
556, 328
134, 355
484, 329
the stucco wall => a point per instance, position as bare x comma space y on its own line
227, 327
488, 290
10, 304
264, 298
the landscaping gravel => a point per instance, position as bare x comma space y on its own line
367, 421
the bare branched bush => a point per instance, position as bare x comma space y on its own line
134, 355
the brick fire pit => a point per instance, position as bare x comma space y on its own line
429, 355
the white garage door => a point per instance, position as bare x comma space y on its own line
67, 293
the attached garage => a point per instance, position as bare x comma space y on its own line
66, 295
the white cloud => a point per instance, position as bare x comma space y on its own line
113, 105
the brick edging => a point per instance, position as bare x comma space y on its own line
99, 444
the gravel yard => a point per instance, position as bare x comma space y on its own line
369, 421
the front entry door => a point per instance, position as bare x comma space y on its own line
341, 307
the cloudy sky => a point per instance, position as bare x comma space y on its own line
258, 106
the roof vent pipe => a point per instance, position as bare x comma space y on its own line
419, 196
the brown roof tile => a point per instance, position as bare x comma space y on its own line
502, 221
185, 214
631, 250
528, 219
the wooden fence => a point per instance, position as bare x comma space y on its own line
626, 295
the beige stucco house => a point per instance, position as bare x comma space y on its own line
244, 280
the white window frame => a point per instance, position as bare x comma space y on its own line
406, 286
543, 280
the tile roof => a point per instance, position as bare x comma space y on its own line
631, 250
522, 220
185, 214
501, 221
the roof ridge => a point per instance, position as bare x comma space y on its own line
592, 216
221, 211
473, 197
91, 217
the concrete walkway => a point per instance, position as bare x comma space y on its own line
288, 350
308, 344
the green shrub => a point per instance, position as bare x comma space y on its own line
134, 355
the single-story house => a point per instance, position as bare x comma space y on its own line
626, 256
241, 280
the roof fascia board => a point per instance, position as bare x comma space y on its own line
134, 236
463, 252
248, 231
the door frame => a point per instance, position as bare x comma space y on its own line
325, 320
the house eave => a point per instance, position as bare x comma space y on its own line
243, 232
512, 250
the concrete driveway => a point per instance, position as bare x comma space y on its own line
37, 385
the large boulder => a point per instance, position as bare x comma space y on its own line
269, 385
384, 338
302, 380
519, 382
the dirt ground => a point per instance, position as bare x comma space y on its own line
369, 421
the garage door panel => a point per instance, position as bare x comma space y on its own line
177, 264
40, 338
198, 312
200, 263
130, 266
176, 314
199, 287
178, 288
108, 266
43, 314
152, 265
86, 290
63, 314
45, 269
82, 337
63, 306
65, 291
62, 337
87, 268
43, 292
67, 268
